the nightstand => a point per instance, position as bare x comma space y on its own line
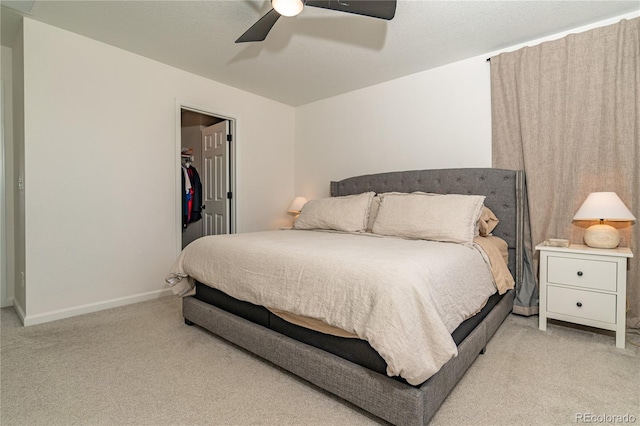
584, 285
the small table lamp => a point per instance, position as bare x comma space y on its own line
603, 206
296, 205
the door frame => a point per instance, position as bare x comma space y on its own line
233, 166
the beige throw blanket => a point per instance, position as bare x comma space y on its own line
404, 297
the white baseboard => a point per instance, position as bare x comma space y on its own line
86, 309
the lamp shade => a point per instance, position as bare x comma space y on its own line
603, 205
297, 204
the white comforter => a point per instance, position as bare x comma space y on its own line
404, 297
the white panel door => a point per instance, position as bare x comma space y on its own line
215, 182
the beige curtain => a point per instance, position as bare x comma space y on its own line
568, 113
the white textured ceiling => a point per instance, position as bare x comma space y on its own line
319, 53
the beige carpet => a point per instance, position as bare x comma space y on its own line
140, 365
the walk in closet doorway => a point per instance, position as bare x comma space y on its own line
206, 199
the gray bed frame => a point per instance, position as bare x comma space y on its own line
389, 399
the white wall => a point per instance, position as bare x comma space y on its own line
440, 118
17, 203
101, 165
435, 119
7, 270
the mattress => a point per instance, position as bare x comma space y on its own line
357, 351
405, 297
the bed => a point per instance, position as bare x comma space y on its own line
361, 367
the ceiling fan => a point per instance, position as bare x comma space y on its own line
382, 9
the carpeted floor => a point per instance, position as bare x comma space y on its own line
140, 365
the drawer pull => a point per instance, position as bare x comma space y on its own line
579, 304
579, 273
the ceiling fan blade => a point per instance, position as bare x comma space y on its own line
260, 29
383, 9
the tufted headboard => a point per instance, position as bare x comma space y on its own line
504, 191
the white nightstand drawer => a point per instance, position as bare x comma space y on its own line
582, 304
596, 274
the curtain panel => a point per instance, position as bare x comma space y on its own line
567, 112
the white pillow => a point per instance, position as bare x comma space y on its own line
375, 205
373, 212
450, 218
349, 213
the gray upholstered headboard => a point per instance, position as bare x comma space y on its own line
504, 191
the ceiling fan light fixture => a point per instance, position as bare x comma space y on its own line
382, 9
288, 7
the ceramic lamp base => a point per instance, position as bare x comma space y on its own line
602, 236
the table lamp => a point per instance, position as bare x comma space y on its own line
296, 205
603, 206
